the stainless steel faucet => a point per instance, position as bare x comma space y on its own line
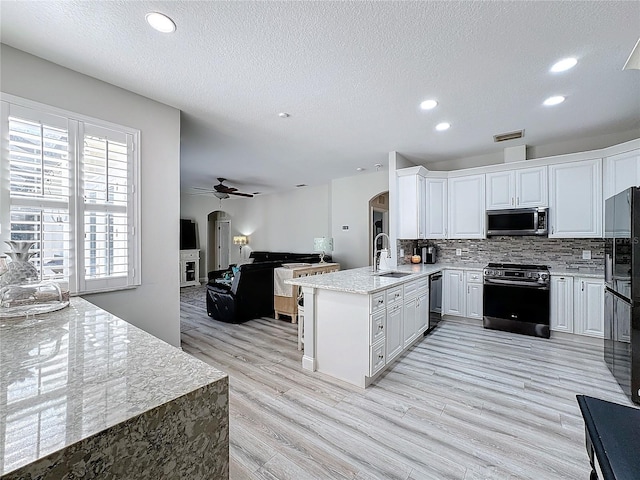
375, 250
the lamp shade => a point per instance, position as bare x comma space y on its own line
323, 244
240, 240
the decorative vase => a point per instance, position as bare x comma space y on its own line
19, 270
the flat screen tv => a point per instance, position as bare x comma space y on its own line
187, 235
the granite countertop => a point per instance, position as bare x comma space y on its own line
577, 272
67, 375
363, 281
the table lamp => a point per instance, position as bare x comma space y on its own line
323, 245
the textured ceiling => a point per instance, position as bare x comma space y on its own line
351, 74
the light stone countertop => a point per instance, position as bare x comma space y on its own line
579, 272
364, 281
67, 375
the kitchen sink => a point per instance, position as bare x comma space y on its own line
394, 274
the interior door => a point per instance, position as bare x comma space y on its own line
223, 244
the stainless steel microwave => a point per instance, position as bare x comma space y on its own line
518, 221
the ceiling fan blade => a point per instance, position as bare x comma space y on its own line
200, 188
240, 194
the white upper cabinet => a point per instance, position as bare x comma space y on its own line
436, 208
501, 192
412, 203
575, 199
621, 171
521, 188
467, 207
531, 187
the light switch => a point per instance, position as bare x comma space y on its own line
586, 254
402, 252
458, 251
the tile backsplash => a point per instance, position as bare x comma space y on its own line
553, 252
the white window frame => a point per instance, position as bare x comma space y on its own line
78, 284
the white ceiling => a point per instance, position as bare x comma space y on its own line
351, 74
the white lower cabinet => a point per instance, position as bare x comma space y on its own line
462, 292
561, 304
423, 309
577, 305
416, 310
394, 331
588, 307
453, 293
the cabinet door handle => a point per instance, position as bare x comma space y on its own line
380, 357
380, 327
511, 200
582, 286
380, 302
517, 200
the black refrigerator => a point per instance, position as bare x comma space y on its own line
622, 292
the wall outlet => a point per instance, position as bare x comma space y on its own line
586, 254
458, 251
402, 252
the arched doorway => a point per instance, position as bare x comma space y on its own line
218, 240
378, 220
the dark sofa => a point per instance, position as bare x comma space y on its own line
250, 294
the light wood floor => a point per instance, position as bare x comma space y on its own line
465, 403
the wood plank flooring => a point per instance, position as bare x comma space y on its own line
465, 403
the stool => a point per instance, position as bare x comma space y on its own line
300, 323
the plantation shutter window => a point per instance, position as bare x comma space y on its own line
67, 183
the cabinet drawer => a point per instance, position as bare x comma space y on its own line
473, 277
378, 302
377, 358
377, 328
189, 255
394, 295
410, 288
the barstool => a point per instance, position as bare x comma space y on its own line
300, 320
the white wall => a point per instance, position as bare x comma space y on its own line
350, 206
280, 222
583, 144
289, 221
155, 305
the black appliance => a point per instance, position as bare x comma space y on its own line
435, 301
429, 254
518, 221
622, 292
516, 298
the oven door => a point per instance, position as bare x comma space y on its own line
517, 308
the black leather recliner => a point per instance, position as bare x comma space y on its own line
250, 295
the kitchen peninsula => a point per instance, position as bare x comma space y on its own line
84, 394
357, 322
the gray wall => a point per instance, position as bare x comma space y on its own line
155, 305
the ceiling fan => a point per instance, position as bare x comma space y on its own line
222, 191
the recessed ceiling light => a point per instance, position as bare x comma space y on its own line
441, 127
160, 22
360, 169
284, 115
554, 100
428, 104
564, 64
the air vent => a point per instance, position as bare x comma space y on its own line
503, 137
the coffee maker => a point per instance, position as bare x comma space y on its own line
429, 254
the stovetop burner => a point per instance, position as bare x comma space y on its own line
516, 266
